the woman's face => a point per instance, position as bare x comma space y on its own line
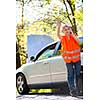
66, 29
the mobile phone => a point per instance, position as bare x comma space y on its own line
70, 32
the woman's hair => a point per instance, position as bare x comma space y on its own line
66, 25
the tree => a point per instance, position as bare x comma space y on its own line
20, 36
18, 63
45, 22
70, 13
72, 20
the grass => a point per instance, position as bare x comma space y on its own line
41, 90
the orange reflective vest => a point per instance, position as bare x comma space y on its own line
70, 49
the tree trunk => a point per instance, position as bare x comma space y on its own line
22, 14
18, 63
74, 27
72, 20
72, 7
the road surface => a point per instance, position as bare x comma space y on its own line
46, 97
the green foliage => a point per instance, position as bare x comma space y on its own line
48, 1
81, 44
79, 16
20, 40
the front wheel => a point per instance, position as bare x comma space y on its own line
21, 84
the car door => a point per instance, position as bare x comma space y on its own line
41, 67
58, 67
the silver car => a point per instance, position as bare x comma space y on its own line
46, 69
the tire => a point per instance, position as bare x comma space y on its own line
21, 84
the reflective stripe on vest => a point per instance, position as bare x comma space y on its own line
71, 58
71, 52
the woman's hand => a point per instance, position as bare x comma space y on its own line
59, 23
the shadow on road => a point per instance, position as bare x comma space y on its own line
48, 94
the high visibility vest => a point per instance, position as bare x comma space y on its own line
70, 49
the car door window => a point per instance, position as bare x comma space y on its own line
47, 53
58, 51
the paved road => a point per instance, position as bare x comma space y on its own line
46, 97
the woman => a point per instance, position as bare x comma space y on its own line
70, 51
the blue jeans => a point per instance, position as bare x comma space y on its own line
73, 72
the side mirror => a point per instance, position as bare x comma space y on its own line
32, 58
81, 49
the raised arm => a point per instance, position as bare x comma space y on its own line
58, 28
